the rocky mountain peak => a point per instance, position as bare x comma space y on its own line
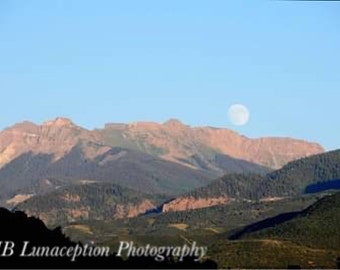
173, 122
59, 122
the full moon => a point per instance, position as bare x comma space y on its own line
238, 114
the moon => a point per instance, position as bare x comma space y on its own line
238, 114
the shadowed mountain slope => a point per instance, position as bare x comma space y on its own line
38, 174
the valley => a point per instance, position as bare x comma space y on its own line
170, 184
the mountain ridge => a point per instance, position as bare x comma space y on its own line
319, 173
181, 141
171, 140
289, 182
169, 158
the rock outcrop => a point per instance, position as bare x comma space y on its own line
191, 203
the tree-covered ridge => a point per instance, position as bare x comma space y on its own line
241, 186
97, 201
291, 180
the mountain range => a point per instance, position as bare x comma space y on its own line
169, 183
247, 230
69, 204
169, 158
173, 141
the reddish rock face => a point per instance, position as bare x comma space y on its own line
172, 141
133, 210
190, 203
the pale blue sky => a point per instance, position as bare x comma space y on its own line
123, 61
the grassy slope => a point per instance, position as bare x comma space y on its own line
259, 254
